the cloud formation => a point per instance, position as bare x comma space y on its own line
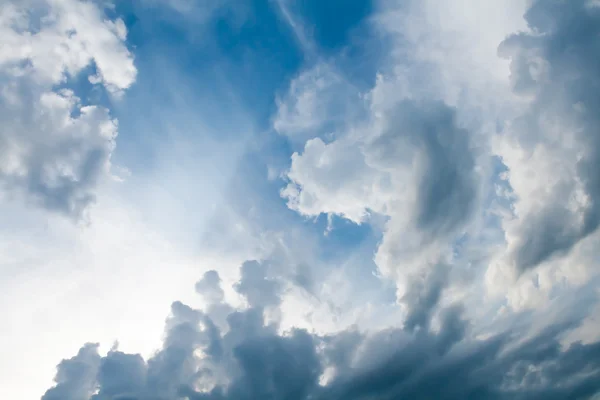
440, 163
550, 150
251, 359
411, 163
55, 147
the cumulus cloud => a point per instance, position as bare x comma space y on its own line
419, 151
259, 290
550, 150
411, 163
76, 377
210, 287
55, 149
455, 101
251, 359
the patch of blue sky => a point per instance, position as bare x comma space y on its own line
331, 23
344, 36
88, 93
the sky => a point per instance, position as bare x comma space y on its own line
299, 200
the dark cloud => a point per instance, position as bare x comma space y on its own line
210, 287
120, 375
426, 134
76, 377
423, 295
259, 290
558, 66
175, 364
426, 368
276, 367
252, 360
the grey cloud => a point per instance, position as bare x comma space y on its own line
423, 296
558, 66
259, 290
425, 138
412, 163
427, 368
210, 287
251, 360
120, 375
427, 134
277, 367
60, 166
174, 365
76, 377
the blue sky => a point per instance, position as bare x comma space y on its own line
277, 199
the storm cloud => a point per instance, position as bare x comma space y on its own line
252, 359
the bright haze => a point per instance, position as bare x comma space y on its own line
299, 200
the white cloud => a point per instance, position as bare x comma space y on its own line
334, 178
54, 149
67, 36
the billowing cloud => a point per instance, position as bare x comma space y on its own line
411, 163
259, 290
76, 377
251, 359
55, 147
550, 150
499, 135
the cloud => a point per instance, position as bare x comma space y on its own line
514, 130
259, 290
55, 148
550, 150
210, 287
318, 103
252, 360
411, 163
520, 100
120, 374
76, 377
536, 369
